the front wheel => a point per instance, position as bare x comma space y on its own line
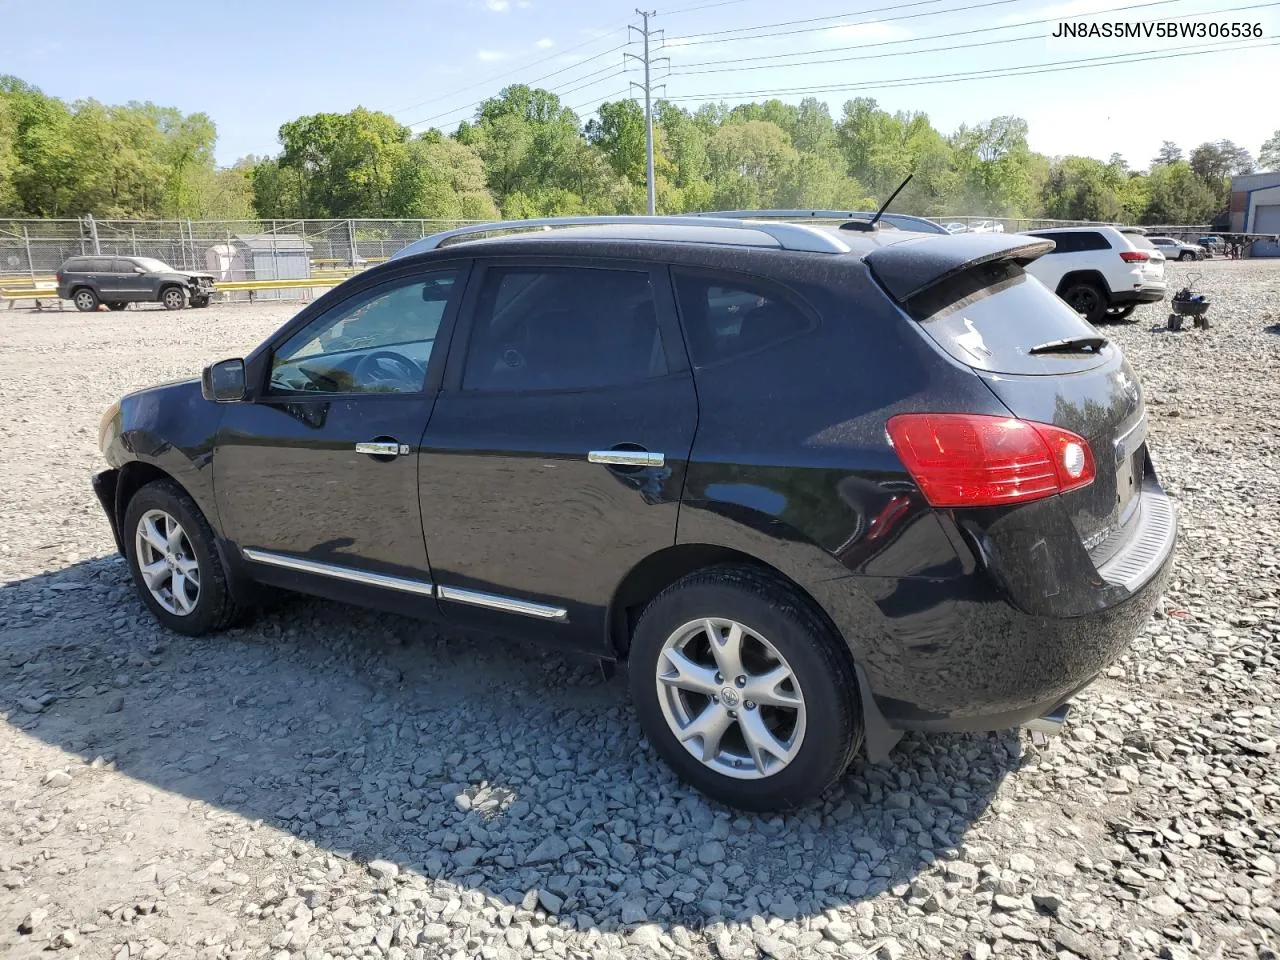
1186, 255
199, 302
174, 561
173, 298
85, 300
744, 690
1087, 300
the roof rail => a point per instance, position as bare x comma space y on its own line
788, 236
788, 214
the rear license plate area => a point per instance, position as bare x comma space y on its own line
1131, 454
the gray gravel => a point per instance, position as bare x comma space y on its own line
327, 782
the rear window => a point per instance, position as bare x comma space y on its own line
990, 318
1139, 242
1075, 242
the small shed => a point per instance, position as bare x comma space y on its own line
262, 256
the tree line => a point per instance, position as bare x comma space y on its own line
526, 154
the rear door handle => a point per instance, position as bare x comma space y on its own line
381, 448
627, 458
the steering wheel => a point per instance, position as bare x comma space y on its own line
388, 367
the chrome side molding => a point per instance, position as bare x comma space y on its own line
475, 598
420, 587
492, 601
627, 458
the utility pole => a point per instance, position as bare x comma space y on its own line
646, 33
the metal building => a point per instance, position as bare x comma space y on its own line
262, 256
1255, 209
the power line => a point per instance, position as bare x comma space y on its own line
699, 6
681, 70
1060, 66
568, 80
520, 69
605, 99
695, 37
956, 33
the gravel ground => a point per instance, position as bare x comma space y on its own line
327, 782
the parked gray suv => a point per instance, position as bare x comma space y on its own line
119, 281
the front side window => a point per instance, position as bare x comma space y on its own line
729, 317
380, 341
563, 328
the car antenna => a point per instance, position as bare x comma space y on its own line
873, 223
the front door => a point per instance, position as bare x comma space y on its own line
127, 283
556, 455
317, 478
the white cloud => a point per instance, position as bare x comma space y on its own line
523, 4
490, 56
498, 6
545, 43
875, 30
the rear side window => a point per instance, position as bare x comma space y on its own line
990, 318
76, 265
563, 328
1076, 242
728, 316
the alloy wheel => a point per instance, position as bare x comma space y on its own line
730, 698
1084, 300
173, 298
167, 562
85, 300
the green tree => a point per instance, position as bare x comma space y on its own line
1178, 195
1170, 152
620, 134
749, 162
1269, 155
344, 162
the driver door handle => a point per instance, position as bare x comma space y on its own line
379, 448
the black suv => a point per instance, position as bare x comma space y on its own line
120, 281
814, 486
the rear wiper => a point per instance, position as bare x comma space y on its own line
1071, 345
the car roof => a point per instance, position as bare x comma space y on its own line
1094, 229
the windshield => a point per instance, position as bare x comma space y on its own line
152, 265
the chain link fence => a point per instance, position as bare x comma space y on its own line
31, 251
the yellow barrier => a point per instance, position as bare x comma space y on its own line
28, 293
289, 284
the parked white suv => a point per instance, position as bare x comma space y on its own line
1100, 271
1177, 249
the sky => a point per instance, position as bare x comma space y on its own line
254, 66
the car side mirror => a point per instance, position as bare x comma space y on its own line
224, 381
139, 270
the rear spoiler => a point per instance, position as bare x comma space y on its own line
911, 267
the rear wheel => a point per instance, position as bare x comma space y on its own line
85, 299
174, 561
1120, 313
117, 305
1086, 299
173, 298
744, 690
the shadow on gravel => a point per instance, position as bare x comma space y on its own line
487, 763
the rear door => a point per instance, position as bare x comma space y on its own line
555, 457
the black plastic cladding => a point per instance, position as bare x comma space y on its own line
959, 620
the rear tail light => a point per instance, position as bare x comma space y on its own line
971, 460
1134, 256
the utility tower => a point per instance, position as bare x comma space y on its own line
648, 62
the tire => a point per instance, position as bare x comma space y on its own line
199, 302
825, 732
117, 305
1186, 255
86, 300
173, 298
1120, 313
1087, 299
209, 607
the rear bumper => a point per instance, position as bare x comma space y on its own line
971, 653
1145, 295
